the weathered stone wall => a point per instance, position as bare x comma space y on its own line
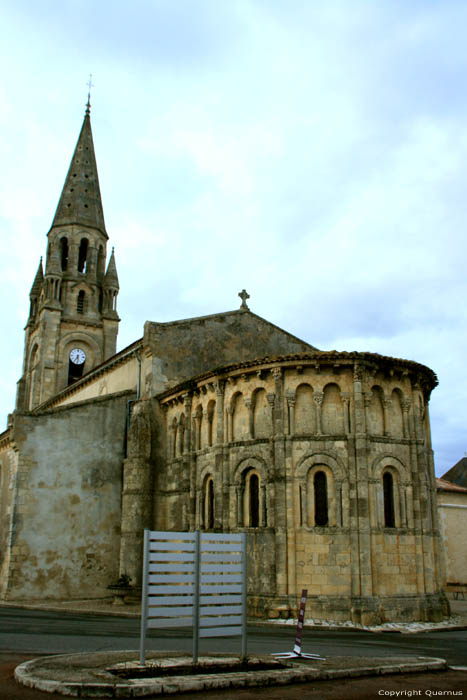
452, 508
184, 349
67, 505
266, 433
121, 377
8, 468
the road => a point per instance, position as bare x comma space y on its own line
26, 634
37, 632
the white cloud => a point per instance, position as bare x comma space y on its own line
311, 152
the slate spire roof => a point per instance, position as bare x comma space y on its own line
38, 279
80, 202
111, 277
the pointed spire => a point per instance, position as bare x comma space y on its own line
111, 277
80, 201
38, 280
52, 265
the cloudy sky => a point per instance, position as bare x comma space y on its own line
314, 153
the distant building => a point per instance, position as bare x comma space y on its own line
452, 510
458, 473
223, 422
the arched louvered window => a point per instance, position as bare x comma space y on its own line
64, 253
83, 255
81, 302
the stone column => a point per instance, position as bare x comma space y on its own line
318, 397
229, 421
304, 503
250, 408
271, 401
137, 493
198, 423
219, 413
278, 406
387, 422
366, 414
187, 402
290, 412
239, 495
263, 515
345, 395
405, 405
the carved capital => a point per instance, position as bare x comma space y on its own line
318, 397
277, 372
271, 398
220, 387
247, 403
357, 372
406, 404
345, 396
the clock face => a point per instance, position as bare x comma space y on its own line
77, 356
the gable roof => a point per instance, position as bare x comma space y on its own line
458, 473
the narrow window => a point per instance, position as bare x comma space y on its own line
82, 255
64, 253
321, 499
388, 493
80, 304
100, 263
253, 486
209, 505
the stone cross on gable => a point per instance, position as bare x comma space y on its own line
244, 296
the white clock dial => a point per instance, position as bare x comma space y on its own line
77, 356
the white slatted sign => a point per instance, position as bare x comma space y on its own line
194, 579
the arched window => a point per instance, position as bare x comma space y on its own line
208, 519
64, 253
321, 499
321, 507
253, 484
254, 509
388, 496
81, 302
82, 255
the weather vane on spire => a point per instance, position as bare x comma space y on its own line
90, 85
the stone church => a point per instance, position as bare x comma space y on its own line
222, 422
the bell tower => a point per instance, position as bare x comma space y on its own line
73, 321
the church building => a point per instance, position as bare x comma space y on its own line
223, 423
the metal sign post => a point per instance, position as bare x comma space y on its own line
297, 650
193, 579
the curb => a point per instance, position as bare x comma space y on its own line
26, 674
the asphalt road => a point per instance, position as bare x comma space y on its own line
37, 631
